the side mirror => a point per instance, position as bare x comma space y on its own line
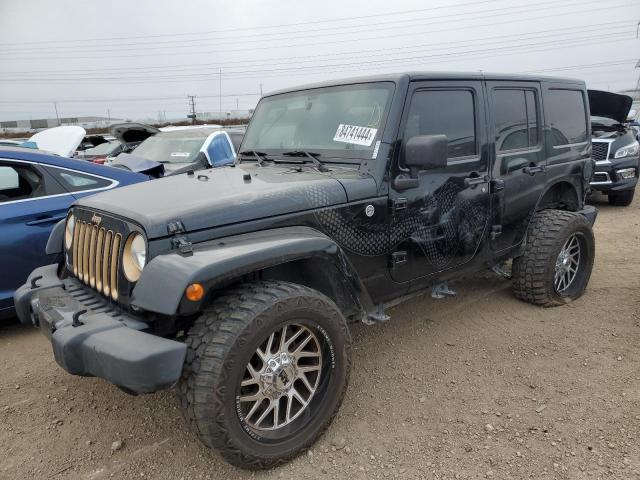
631, 116
426, 152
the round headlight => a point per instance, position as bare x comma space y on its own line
135, 256
68, 231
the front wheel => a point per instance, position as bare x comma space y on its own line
267, 368
557, 260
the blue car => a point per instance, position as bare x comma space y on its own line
36, 189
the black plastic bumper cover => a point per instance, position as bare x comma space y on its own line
590, 213
102, 342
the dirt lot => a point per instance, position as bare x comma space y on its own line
482, 386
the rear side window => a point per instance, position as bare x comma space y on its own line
448, 112
566, 114
74, 181
515, 119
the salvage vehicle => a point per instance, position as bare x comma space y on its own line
36, 190
238, 284
177, 150
99, 153
615, 147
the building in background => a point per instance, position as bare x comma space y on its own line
42, 123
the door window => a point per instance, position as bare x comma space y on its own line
19, 182
566, 112
515, 119
448, 112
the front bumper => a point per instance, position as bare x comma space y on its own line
607, 180
92, 337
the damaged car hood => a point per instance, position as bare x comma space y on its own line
222, 196
609, 105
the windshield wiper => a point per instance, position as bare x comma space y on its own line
259, 156
311, 155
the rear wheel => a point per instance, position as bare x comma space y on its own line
621, 199
266, 371
557, 261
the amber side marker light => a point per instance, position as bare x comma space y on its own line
194, 292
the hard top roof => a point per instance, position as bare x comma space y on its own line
416, 76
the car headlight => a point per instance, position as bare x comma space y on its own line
68, 231
134, 257
628, 150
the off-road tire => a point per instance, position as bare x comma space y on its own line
533, 272
621, 199
219, 344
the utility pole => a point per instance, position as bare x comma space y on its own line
260, 90
109, 116
237, 105
220, 93
192, 102
55, 106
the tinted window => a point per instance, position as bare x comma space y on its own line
220, 150
19, 182
75, 181
565, 111
515, 119
448, 112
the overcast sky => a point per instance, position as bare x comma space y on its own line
137, 58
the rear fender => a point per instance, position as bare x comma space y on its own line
218, 263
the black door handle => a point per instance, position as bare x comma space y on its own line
533, 169
475, 179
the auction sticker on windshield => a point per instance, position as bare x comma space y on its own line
355, 135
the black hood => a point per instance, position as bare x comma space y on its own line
609, 105
222, 196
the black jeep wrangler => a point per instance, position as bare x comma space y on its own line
239, 283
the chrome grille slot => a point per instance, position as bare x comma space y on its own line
115, 261
92, 256
85, 253
99, 256
105, 262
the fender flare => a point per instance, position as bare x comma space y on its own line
55, 243
163, 282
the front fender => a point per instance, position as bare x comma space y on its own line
164, 280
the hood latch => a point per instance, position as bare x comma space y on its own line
178, 241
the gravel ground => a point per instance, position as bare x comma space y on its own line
480, 386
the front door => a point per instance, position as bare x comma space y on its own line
439, 224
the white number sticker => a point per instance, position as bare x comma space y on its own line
355, 135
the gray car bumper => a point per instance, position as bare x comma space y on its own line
91, 337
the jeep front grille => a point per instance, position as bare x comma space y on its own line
96, 254
600, 150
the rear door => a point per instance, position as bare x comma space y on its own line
519, 168
31, 203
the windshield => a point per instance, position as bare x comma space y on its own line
342, 121
170, 149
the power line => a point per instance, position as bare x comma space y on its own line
235, 30
426, 59
353, 53
263, 46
